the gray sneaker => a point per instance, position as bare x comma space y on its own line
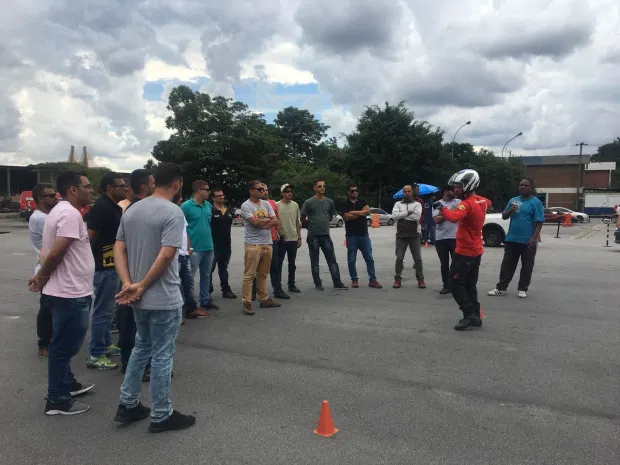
69, 407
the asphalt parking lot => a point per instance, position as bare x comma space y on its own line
538, 384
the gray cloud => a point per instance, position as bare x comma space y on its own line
554, 42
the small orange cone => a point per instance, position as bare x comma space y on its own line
426, 245
567, 221
345, 243
375, 221
326, 424
481, 314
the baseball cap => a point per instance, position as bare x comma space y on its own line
284, 186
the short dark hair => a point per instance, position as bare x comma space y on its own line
254, 182
38, 190
167, 173
108, 180
318, 180
137, 178
445, 188
530, 180
199, 184
351, 185
217, 189
66, 180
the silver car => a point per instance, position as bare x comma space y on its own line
385, 218
337, 221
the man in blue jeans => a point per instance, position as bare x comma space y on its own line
66, 279
102, 222
317, 212
197, 211
355, 212
146, 255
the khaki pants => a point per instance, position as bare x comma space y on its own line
257, 261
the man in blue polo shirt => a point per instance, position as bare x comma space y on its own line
526, 220
197, 211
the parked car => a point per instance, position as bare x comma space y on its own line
337, 221
495, 227
385, 218
577, 217
237, 219
26, 205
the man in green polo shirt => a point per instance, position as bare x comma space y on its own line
197, 211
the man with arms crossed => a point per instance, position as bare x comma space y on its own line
408, 213
526, 220
445, 236
221, 225
291, 231
258, 219
45, 199
355, 213
318, 211
146, 255
66, 279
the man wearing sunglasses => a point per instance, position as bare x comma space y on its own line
66, 281
102, 222
290, 222
221, 226
45, 199
198, 213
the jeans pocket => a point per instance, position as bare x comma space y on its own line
80, 303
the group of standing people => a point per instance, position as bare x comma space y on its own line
138, 251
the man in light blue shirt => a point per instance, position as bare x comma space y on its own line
526, 220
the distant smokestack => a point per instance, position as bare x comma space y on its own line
72, 155
85, 157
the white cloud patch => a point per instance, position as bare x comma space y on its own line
73, 76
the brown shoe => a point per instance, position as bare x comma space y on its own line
43, 352
375, 285
396, 284
247, 308
355, 284
198, 313
270, 303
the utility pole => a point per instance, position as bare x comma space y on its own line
579, 175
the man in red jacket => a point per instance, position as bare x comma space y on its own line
470, 216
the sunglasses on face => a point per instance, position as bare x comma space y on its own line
287, 192
219, 196
259, 189
352, 191
122, 186
204, 189
49, 196
320, 187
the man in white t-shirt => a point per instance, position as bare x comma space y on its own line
45, 199
445, 236
66, 279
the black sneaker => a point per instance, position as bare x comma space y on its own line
280, 294
444, 291
319, 287
340, 285
174, 422
129, 415
229, 294
77, 389
293, 289
210, 306
476, 321
69, 407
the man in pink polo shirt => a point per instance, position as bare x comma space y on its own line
66, 280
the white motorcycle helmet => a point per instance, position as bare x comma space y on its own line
468, 178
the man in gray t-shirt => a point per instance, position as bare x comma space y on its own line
445, 236
317, 212
258, 219
146, 259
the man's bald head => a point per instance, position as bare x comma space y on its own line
408, 192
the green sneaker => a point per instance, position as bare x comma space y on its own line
112, 351
102, 363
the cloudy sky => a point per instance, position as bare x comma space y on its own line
100, 75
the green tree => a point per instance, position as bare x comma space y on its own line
218, 140
151, 165
610, 153
301, 131
390, 148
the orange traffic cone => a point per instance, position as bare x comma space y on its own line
375, 221
567, 221
345, 243
426, 245
481, 314
326, 424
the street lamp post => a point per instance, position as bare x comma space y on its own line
520, 134
457, 131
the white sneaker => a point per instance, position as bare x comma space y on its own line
522, 294
495, 292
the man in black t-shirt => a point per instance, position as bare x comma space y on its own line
221, 224
355, 212
102, 222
